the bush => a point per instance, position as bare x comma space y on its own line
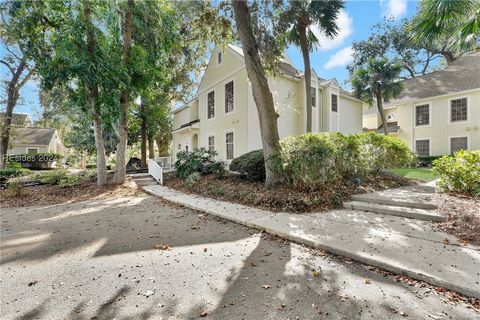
459, 173
35, 160
426, 162
314, 159
13, 172
50, 177
200, 160
251, 165
16, 188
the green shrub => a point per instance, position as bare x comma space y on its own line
16, 188
35, 160
192, 179
251, 165
201, 161
314, 159
70, 181
50, 177
13, 172
459, 173
426, 162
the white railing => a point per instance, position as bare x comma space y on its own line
155, 170
165, 163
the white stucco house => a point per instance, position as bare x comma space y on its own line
438, 113
223, 115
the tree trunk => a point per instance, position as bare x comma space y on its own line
260, 89
122, 127
308, 73
100, 149
92, 90
382, 114
143, 133
12, 98
162, 145
151, 148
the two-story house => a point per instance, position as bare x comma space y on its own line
223, 115
438, 113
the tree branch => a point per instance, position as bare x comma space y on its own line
8, 66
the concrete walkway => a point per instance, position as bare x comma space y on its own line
397, 244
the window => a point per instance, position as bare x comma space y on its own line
422, 148
211, 105
392, 117
422, 115
314, 97
219, 58
186, 148
229, 97
458, 143
211, 143
32, 150
229, 145
334, 103
458, 110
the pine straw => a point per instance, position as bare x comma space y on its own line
463, 217
48, 194
235, 189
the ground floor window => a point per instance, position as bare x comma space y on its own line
229, 145
211, 143
32, 150
458, 143
422, 147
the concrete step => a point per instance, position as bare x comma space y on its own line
406, 212
148, 181
395, 201
136, 176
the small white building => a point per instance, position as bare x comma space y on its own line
223, 116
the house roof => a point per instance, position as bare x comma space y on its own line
460, 75
33, 136
18, 119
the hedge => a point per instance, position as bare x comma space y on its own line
250, 165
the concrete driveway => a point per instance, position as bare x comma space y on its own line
105, 260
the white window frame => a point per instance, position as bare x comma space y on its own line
430, 115
214, 142
458, 136
225, 141
214, 105
30, 148
225, 97
331, 102
450, 110
429, 146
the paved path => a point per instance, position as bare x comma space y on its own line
396, 244
96, 260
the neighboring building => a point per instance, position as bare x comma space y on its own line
18, 119
223, 116
35, 140
438, 113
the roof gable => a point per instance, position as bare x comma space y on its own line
33, 136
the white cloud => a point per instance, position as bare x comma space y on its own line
340, 58
393, 8
345, 26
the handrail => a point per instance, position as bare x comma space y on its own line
165, 163
155, 170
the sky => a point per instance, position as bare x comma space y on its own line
329, 60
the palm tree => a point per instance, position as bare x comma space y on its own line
437, 18
300, 16
378, 81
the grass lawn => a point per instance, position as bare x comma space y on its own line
419, 174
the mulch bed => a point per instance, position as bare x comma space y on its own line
463, 217
51, 194
236, 189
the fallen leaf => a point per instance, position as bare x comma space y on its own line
266, 286
32, 283
204, 314
163, 246
367, 281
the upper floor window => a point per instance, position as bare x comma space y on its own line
211, 143
422, 148
458, 143
334, 103
314, 97
229, 145
219, 58
458, 110
211, 105
229, 97
422, 115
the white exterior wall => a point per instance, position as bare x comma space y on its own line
350, 115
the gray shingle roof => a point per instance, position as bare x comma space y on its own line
461, 75
33, 136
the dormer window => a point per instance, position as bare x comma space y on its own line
219, 58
